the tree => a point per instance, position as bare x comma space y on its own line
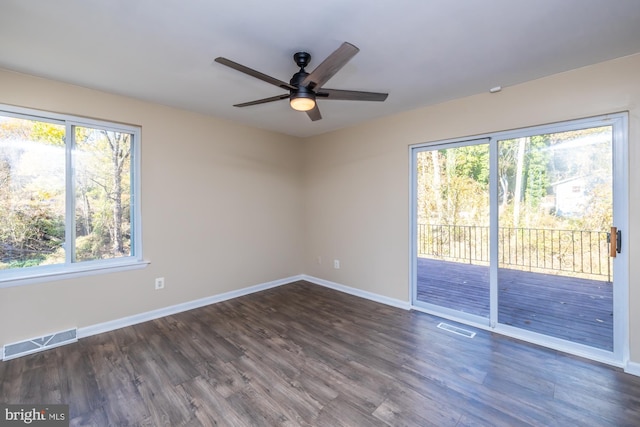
537, 177
33, 192
104, 159
120, 145
32, 209
453, 185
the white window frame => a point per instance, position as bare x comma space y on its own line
28, 275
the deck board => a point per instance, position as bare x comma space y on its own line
575, 309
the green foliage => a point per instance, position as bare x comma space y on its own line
536, 177
453, 183
49, 133
33, 210
32, 228
472, 161
31, 262
91, 247
30, 130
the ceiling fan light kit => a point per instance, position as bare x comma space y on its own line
302, 103
305, 87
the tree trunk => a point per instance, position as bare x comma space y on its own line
517, 195
437, 185
118, 244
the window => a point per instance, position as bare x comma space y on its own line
68, 195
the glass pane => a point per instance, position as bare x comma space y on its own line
102, 179
453, 228
32, 193
555, 211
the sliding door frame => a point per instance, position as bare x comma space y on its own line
619, 122
471, 319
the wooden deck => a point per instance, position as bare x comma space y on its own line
578, 310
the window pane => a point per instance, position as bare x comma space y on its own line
452, 197
32, 193
556, 197
556, 209
102, 182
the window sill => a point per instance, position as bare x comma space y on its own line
70, 273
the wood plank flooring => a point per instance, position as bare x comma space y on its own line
304, 355
574, 309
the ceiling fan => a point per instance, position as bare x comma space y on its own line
304, 88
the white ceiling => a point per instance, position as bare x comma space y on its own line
421, 52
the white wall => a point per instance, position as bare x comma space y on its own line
221, 210
357, 179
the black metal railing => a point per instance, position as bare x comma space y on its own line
572, 252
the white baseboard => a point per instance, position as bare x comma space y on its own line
632, 368
405, 305
178, 308
190, 305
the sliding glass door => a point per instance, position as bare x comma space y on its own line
452, 226
555, 211
521, 232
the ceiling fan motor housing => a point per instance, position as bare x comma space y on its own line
302, 91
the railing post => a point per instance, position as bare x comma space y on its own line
469, 228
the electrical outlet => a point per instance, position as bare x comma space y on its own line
336, 264
159, 283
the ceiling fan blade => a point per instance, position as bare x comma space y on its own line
314, 114
331, 65
254, 73
351, 95
263, 101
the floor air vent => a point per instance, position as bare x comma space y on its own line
456, 330
11, 351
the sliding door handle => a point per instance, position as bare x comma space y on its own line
615, 242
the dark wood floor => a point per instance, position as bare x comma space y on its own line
301, 355
578, 310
